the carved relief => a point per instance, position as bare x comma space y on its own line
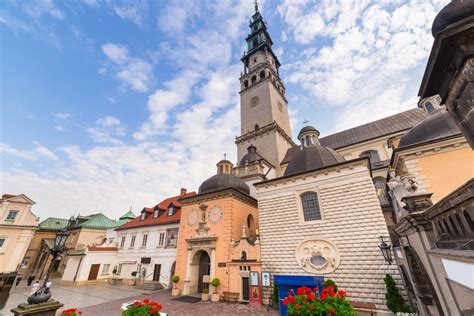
215, 215
193, 217
317, 256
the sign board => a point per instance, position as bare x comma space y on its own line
221, 264
254, 278
145, 260
265, 279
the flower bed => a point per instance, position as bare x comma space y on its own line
71, 312
145, 307
307, 301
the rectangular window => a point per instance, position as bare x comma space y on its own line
311, 209
155, 213
132, 242
171, 238
105, 268
144, 240
119, 268
12, 215
2, 242
122, 242
142, 218
170, 210
161, 241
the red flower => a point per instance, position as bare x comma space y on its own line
315, 289
308, 290
311, 297
301, 291
291, 299
146, 300
332, 311
153, 311
324, 294
311, 306
80, 313
297, 306
285, 301
136, 303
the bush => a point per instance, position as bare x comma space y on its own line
175, 279
395, 301
71, 312
275, 297
216, 282
330, 282
145, 307
134, 273
306, 302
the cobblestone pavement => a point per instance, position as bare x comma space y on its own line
175, 308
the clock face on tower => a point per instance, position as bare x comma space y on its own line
215, 215
254, 101
280, 106
192, 217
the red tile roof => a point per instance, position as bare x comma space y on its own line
163, 218
7, 196
96, 248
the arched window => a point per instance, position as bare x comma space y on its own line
372, 154
429, 107
257, 127
469, 220
311, 210
221, 169
243, 255
381, 189
254, 79
262, 74
250, 222
246, 83
254, 42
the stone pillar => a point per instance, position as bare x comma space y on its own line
187, 278
48, 308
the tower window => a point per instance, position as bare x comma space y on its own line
262, 74
311, 210
257, 127
254, 79
429, 107
246, 83
372, 154
255, 42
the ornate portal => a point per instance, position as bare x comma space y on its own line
317, 256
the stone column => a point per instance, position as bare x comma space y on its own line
187, 278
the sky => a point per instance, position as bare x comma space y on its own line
112, 105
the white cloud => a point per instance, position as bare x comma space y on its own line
108, 131
62, 116
134, 73
39, 8
108, 121
135, 11
44, 152
10, 151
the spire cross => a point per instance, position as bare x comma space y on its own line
225, 156
256, 6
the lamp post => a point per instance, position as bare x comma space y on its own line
386, 251
44, 293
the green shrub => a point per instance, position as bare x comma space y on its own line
330, 282
216, 282
175, 279
395, 301
275, 297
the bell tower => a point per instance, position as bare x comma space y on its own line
265, 121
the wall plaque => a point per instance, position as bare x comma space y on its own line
145, 260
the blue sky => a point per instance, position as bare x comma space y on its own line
110, 104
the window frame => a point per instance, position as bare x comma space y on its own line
171, 208
299, 199
122, 241
14, 218
144, 240
132, 241
105, 272
161, 241
3, 247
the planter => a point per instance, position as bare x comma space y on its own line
215, 297
175, 292
205, 297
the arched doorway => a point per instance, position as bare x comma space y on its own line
204, 269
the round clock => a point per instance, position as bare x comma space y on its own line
192, 217
254, 101
215, 215
280, 106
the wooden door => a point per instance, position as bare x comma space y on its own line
204, 269
245, 288
94, 272
156, 272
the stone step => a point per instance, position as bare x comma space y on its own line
150, 286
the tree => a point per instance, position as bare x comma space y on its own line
395, 301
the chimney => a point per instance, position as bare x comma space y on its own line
183, 191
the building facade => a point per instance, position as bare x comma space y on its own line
218, 236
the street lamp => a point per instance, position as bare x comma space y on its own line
386, 251
44, 293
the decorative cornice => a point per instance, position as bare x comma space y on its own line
264, 130
219, 194
453, 199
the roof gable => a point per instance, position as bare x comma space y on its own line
17, 198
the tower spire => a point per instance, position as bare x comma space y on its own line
256, 6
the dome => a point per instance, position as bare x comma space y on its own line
307, 129
438, 124
453, 12
250, 156
223, 181
312, 158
